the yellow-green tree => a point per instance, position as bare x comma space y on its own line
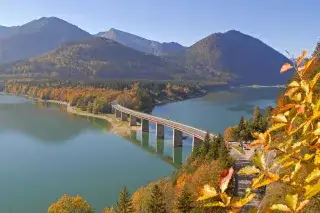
67, 204
293, 141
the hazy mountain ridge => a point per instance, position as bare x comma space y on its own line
99, 58
37, 37
141, 44
247, 60
231, 56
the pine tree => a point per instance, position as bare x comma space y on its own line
156, 203
205, 146
316, 52
257, 119
124, 205
184, 203
214, 149
224, 159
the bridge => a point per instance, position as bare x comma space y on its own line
124, 114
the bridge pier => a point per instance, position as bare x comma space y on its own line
160, 131
177, 138
145, 139
196, 143
124, 116
160, 146
133, 120
144, 125
118, 113
177, 155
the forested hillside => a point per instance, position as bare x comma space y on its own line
99, 58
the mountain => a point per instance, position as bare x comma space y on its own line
98, 58
37, 37
141, 44
240, 58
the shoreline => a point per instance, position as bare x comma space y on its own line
117, 126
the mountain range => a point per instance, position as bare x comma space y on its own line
141, 44
56, 47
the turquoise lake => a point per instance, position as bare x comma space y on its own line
46, 152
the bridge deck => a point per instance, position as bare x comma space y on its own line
166, 122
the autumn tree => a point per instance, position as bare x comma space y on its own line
68, 204
156, 202
184, 202
124, 205
291, 145
108, 210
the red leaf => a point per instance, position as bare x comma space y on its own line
285, 68
225, 177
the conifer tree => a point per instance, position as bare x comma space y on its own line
184, 203
224, 159
257, 119
156, 203
316, 52
124, 205
205, 146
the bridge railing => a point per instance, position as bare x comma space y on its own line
167, 122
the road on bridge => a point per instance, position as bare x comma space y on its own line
166, 122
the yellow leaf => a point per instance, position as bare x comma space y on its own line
305, 86
294, 84
312, 190
266, 182
248, 170
280, 118
242, 201
276, 127
208, 192
225, 198
260, 160
280, 207
285, 67
292, 201
315, 174
314, 80
301, 57
297, 97
297, 167
213, 204
291, 91
307, 157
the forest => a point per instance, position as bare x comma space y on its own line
96, 97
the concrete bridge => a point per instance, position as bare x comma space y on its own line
124, 114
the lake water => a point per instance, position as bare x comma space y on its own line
46, 152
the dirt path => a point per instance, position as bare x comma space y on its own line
244, 181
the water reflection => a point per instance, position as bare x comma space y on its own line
149, 143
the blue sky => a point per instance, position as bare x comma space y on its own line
283, 24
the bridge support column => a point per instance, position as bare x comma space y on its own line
196, 143
160, 146
118, 113
177, 138
177, 155
124, 116
160, 131
144, 125
133, 120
